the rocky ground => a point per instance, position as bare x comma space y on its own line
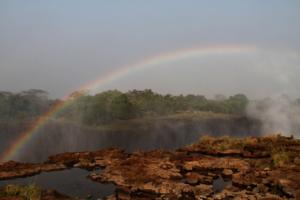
263, 168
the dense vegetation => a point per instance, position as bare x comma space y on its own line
113, 105
23, 105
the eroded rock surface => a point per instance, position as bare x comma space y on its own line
213, 168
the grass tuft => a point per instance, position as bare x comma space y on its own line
28, 192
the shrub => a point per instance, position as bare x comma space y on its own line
280, 158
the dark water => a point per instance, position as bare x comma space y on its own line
71, 182
74, 183
165, 134
220, 184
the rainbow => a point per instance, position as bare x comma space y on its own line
157, 60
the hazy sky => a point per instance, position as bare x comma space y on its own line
59, 45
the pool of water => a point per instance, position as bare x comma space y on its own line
219, 184
73, 182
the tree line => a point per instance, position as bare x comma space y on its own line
23, 105
113, 105
108, 106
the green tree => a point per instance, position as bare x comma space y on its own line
237, 103
120, 107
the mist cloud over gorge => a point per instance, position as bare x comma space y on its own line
279, 111
278, 115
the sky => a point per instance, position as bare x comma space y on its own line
60, 45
